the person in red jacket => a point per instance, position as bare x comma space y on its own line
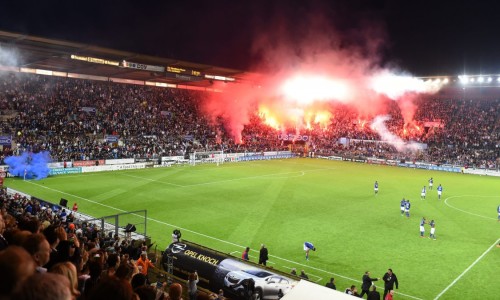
244, 255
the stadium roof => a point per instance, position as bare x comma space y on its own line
40, 55
37, 53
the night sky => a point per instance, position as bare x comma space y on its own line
422, 37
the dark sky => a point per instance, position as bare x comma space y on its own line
423, 37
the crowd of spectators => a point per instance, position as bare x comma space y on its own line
48, 254
71, 118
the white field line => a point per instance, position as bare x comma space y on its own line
466, 270
467, 212
301, 173
153, 180
213, 238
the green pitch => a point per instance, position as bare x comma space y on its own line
331, 204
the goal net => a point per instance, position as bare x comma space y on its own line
214, 157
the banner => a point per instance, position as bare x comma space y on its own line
63, 171
183, 77
166, 113
88, 163
218, 270
138, 66
293, 137
88, 109
5, 140
112, 138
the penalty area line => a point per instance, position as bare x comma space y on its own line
466, 270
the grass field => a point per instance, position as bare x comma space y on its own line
284, 203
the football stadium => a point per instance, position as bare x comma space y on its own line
246, 185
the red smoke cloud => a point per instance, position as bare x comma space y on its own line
307, 69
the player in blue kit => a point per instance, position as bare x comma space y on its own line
402, 206
308, 247
440, 191
422, 228
407, 208
375, 188
498, 210
433, 230
423, 193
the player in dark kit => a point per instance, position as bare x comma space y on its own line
440, 191
422, 228
402, 206
407, 208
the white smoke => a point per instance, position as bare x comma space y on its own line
395, 86
378, 125
8, 57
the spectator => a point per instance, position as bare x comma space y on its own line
352, 291
331, 284
373, 294
303, 275
112, 288
44, 286
112, 263
143, 263
3, 241
146, 292
175, 292
17, 263
38, 247
68, 270
244, 255
192, 285
138, 280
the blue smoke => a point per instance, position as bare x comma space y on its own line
34, 165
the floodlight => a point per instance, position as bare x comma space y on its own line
445, 80
480, 79
471, 80
489, 79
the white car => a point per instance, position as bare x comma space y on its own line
267, 284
